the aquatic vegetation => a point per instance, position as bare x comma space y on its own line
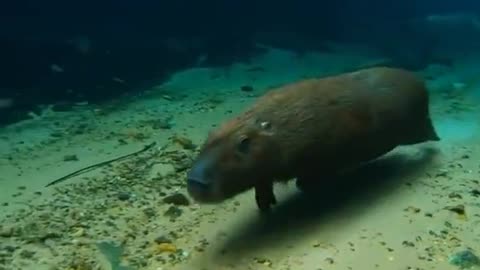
113, 253
464, 259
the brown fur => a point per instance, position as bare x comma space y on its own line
313, 128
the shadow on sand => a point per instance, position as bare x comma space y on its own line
361, 188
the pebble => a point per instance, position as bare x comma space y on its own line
166, 247
329, 260
162, 239
149, 212
246, 88
27, 254
123, 196
9, 249
162, 124
459, 209
70, 158
6, 231
475, 193
173, 212
177, 199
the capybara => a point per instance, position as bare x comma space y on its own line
309, 130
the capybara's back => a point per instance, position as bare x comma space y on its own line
353, 117
312, 128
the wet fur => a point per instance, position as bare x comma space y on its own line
311, 129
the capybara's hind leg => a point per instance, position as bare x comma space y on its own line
264, 196
309, 183
305, 184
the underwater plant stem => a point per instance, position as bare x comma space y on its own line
97, 165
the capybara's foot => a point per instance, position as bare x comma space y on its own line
300, 183
308, 183
264, 197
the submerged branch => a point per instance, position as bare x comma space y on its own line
94, 166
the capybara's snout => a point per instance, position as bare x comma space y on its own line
199, 173
200, 179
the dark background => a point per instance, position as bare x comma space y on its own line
142, 42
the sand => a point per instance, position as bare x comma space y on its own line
401, 212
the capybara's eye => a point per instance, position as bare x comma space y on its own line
244, 145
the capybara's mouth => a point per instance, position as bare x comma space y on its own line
203, 193
201, 184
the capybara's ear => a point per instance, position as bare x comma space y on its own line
264, 127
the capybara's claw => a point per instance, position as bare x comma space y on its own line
311, 183
301, 185
264, 197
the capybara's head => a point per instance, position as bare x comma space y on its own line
234, 159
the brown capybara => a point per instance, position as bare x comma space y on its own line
309, 130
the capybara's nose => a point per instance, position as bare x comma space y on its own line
198, 182
198, 175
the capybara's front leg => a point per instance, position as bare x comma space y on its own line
264, 196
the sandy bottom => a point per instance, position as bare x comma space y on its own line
411, 209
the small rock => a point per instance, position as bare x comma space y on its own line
454, 195
329, 260
56, 134
27, 254
263, 261
246, 88
442, 173
459, 209
475, 192
173, 212
79, 232
162, 239
177, 199
162, 123
122, 142
149, 212
412, 209
166, 247
182, 165
123, 196
408, 244
162, 170
10, 249
6, 231
167, 97
80, 129
70, 158
184, 142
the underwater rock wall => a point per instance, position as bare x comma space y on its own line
58, 52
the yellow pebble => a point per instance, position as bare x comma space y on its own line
166, 247
79, 232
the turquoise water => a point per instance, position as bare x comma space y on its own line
116, 116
